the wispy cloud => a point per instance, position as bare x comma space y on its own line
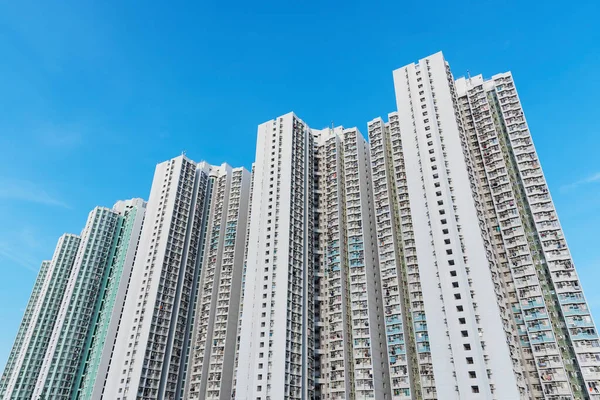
60, 137
590, 179
21, 258
24, 190
22, 247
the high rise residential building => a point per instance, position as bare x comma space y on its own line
244, 270
28, 317
217, 310
464, 305
349, 331
69, 336
19, 381
153, 348
426, 263
106, 317
407, 338
555, 331
152, 339
276, 347
311, 246
484, 291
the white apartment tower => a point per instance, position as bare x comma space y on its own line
407, 337
465, 307
151, 346
217, 311
244, 269
555, 331
276, 348
349, 332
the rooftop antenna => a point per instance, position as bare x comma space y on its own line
183, 153
469, 75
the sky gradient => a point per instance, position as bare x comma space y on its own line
94, 94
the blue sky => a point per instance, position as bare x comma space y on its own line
94, 94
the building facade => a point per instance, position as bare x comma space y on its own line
218, 303
452, 250
407, 338
276, 349
174, 309
151, 346
555, 331
68, 339
105, 320
349, 354
21, 381
495, 308
28, 317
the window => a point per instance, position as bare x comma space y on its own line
447, 241
462, 321
469, 360
444, 222
457, 296
442, 212
475, 389
472, 374
452, 273
454, 284
463, 333
467, 346
459, 308
450, 262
